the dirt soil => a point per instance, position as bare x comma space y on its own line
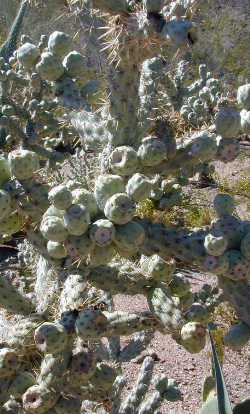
187, 369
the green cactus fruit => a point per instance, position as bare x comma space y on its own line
76, 219
120, 208
86, 198
56, 250
193, 337
245, 121
82, 366
21, 383
5, 204
23, 164
159, 269
4, 171
237, 336
102, 232
28, 55
152, 151
9, 363
218, 265
239, 267
60, 196
91, 324
224, 205
52, 228
201, 146
50, 338
231, 228
106, 186
11, 224
59, 43
76, 66
243, 96
123, 161
245, 246
215, 246
227, 122
102, 255
139, 187
49, 67
197, 313
79, 246
179, 285
129, 237
163, 306
39, 399
37, 193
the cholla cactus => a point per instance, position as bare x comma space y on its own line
9, 46
200, 99
81, 232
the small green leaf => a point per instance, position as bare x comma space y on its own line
224, 406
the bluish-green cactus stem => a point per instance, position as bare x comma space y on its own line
10, 44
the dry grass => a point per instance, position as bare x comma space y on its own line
188, 213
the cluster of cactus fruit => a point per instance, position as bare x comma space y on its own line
90, 241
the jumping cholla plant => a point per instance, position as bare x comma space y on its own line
88, 239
